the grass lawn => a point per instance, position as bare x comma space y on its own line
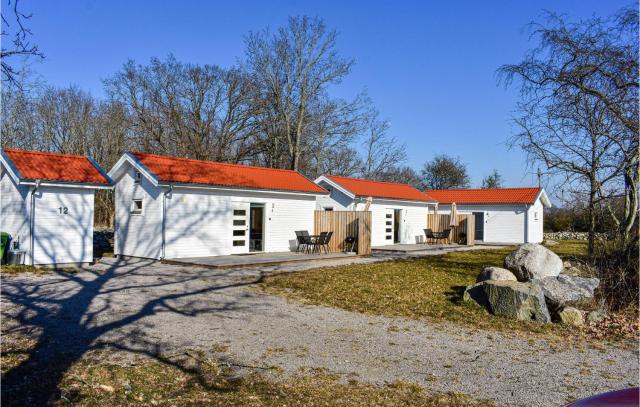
427, 288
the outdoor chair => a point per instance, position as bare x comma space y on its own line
316, 244
304, 240
323, 242
428, 235
444, 235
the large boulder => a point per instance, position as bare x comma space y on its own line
495, 273
571, 316
533, 261
565, 290
512, 299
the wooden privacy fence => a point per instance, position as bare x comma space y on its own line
466, 226
345, 224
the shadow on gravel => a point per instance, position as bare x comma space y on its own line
68, 325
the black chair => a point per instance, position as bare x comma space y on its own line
445, 234
316, 244
428, 235
304, 240
324, 241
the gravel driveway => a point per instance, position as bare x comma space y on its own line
145, 307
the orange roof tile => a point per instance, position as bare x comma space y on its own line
34, 165
483, 196
380, 189
188, 171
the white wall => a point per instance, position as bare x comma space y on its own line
199, 221
138, 235
502, 223
535, 222
60, 236
413, 221
63, 225
13, 210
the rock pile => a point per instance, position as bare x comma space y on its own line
534, 285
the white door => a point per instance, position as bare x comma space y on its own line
240, 227
388, 226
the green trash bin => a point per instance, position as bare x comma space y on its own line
5, 238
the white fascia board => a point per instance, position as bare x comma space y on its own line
403, 201
544, 198
335, 185
231, 189
13, 171
116, 171
44, 183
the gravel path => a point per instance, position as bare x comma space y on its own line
145, 307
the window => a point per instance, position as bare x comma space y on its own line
137, 177
535, 215
389, 215
239, 222
238, 242
239, 212
238, 232
136, 206
328, 208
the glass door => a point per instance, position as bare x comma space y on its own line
240, 227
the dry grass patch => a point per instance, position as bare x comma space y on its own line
427, 288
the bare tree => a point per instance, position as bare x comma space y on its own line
445, 172
579, 109
382, 153
494, 180
403, 175
186, 110
14, 24
290, 70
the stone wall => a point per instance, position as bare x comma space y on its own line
573, 236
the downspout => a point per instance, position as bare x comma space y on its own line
526, 223
164, 219
32, 223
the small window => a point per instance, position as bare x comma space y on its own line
535, 215
328, 208
238, 243
389, 223
137, 177
136, 206
389, 230
389, 237
389, 215
239, 212
239, 222
239, 232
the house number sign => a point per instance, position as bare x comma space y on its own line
63, 210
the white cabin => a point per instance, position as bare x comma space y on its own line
502, 215
47, 205
171, 208
398, 211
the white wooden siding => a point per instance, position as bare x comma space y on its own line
413, 221
63, 225
535, 223
138, 235
502, 223
199, 221
14, 217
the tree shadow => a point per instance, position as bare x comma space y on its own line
72, 314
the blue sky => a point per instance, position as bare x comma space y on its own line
429, 66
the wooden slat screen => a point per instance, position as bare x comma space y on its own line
466, 225
344, 224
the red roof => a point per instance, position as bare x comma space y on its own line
380, 189
34, 165
188, 171
483, 196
